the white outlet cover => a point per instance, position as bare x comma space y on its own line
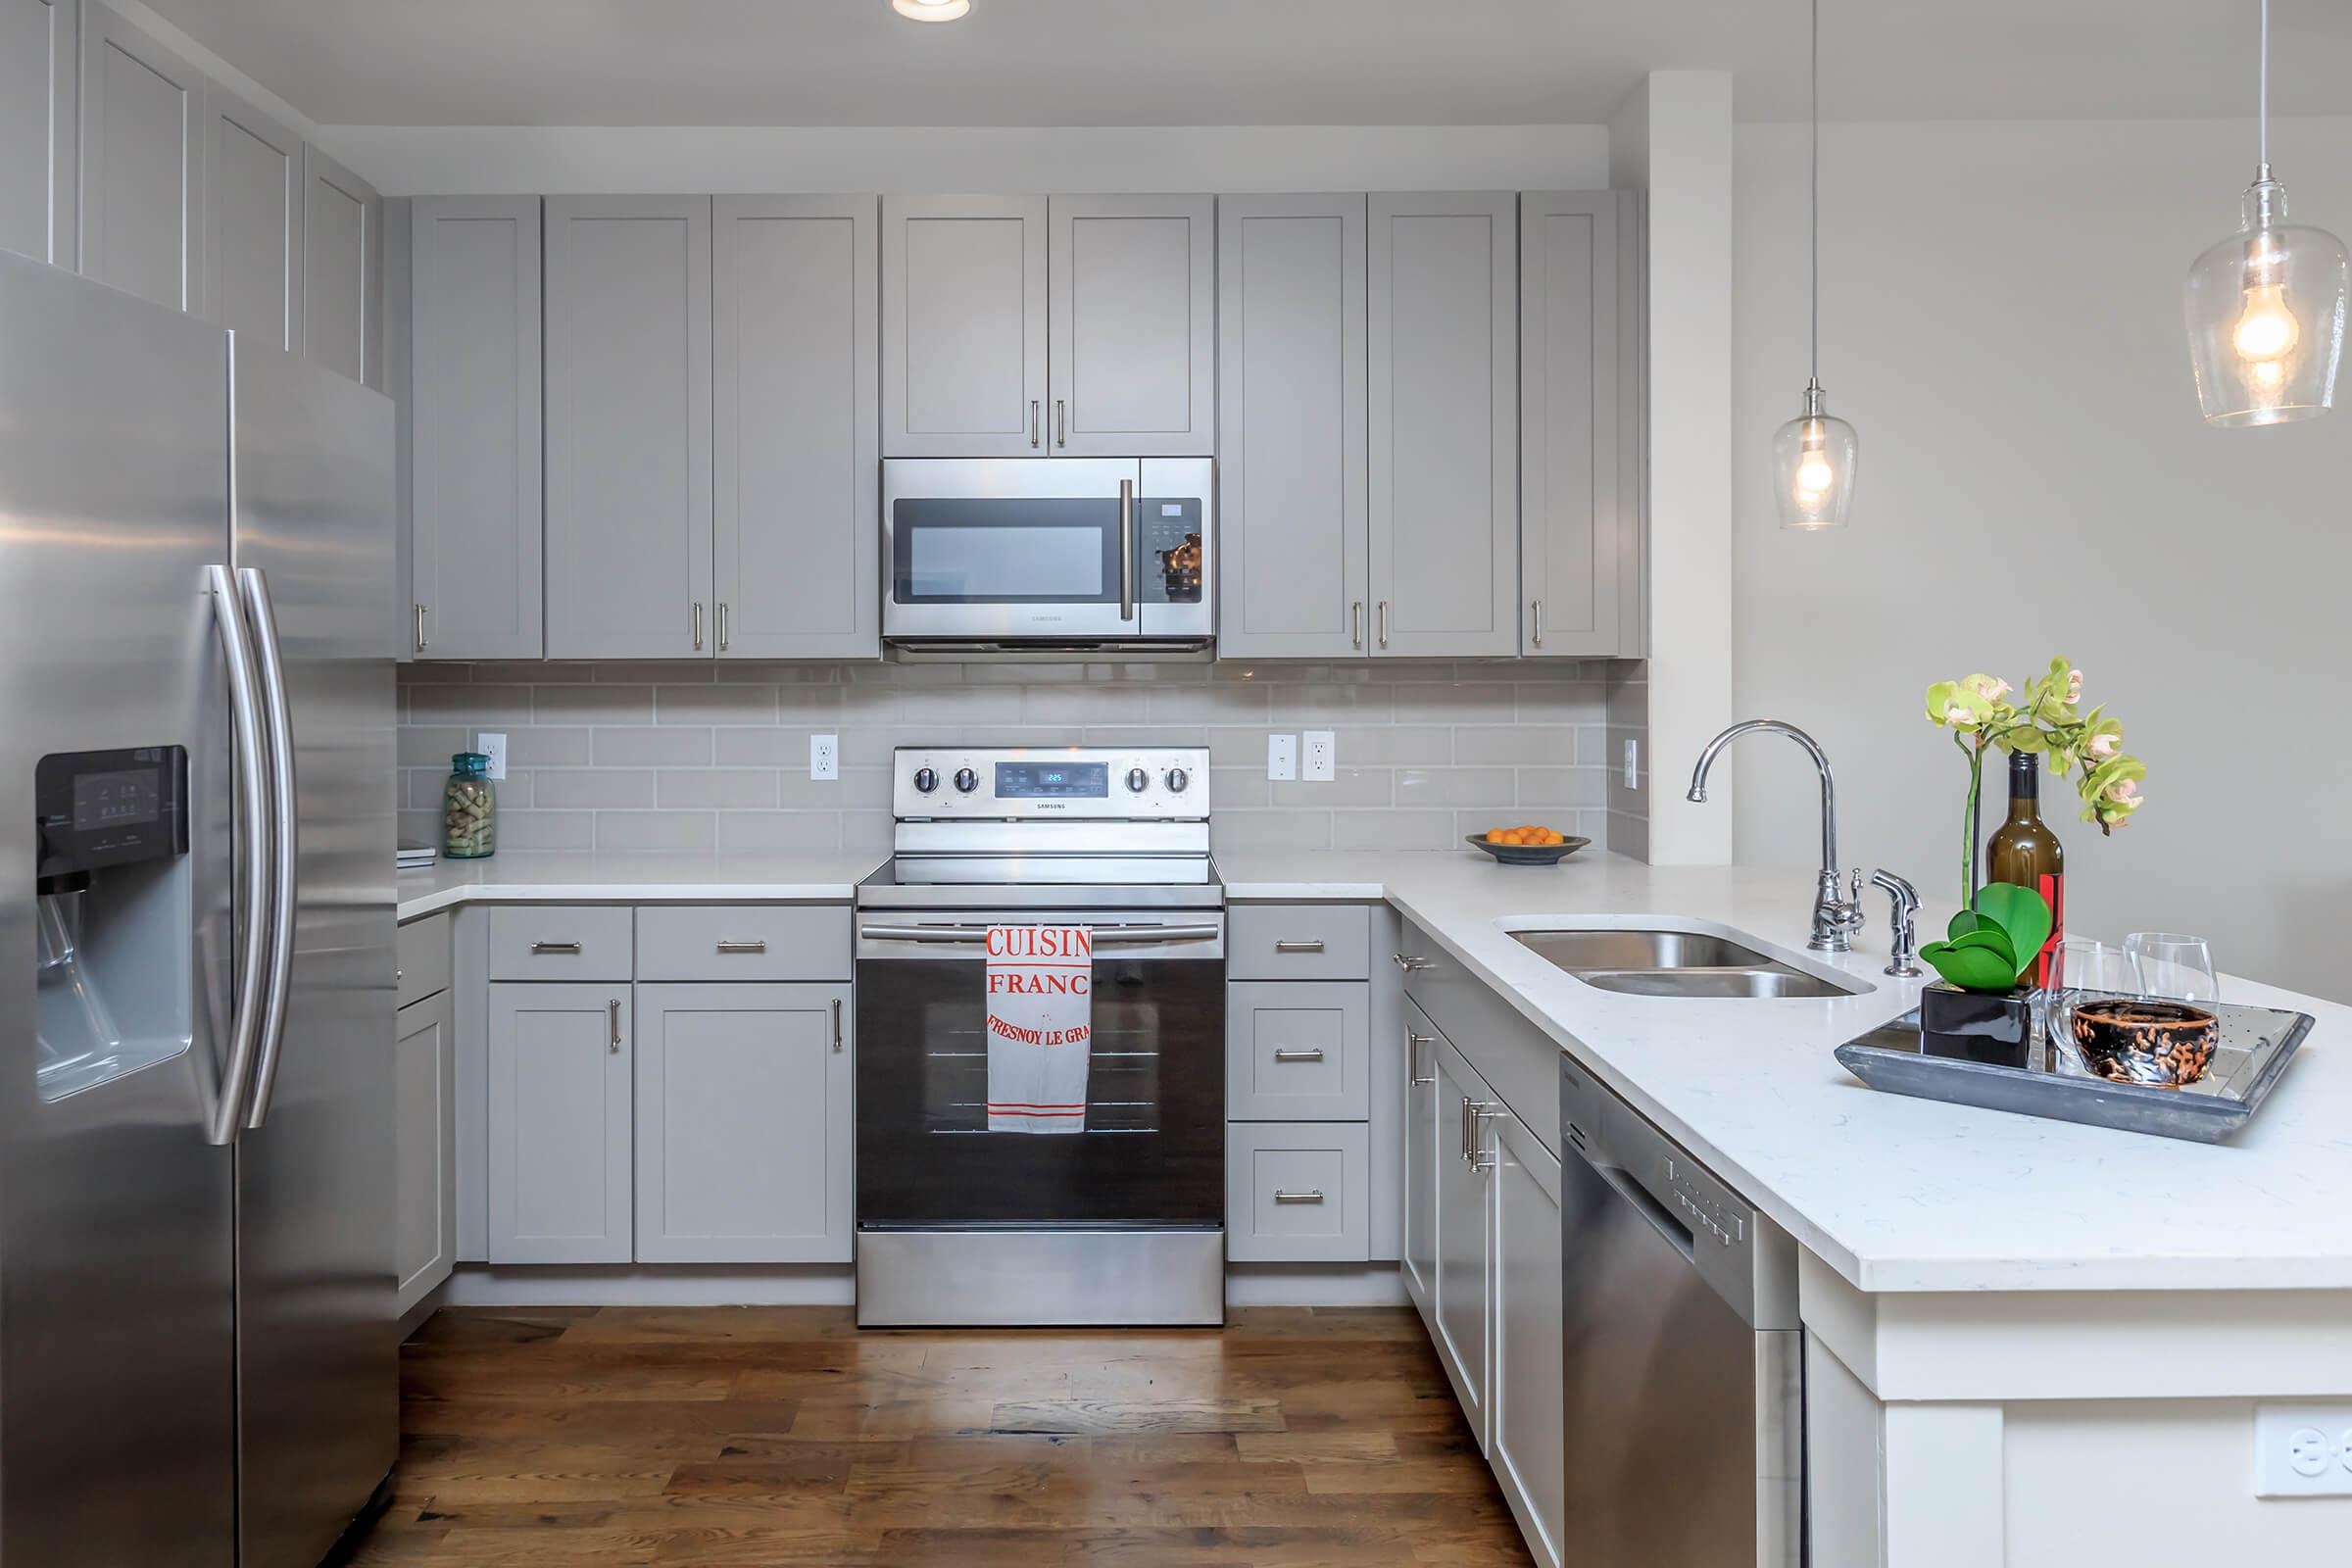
494, 746
1320, 757
1282, 757
1632, 764
2303, 1450
825, 756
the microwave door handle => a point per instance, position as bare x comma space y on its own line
1126, 550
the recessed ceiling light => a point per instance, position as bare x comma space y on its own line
931, 10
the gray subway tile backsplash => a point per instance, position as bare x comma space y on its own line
630, 756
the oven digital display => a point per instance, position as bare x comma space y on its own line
1032, 781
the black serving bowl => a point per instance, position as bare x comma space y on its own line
1529, 854
2147, 1041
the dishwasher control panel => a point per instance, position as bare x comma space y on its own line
1703, 1204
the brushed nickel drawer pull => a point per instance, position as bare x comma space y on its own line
572, 947
837, 1023
1538, 624
742, 947
1413, 1058
1315, 946
1409, 965
1384, 623
420, 644
1033, 421
612, 1014
1356, 616
1315, 1054
1280, 1196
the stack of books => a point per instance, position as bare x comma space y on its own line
412, 855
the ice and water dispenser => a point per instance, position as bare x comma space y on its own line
116, 915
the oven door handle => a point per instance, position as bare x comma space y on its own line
1103, 935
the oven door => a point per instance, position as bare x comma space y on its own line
1152, 1151
1046, 549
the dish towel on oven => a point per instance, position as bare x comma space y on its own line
1040, 1027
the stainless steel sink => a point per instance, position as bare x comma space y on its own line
1675, 963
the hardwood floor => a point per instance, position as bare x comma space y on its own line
615, 1438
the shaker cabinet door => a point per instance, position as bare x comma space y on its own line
425, 1189
963, 327
1464, 1237
253, 228
1291, 475
474, 427
142, 162
1579, 523
1527, 1450
1443, 285
1424, 1150
797, 481
342, 270
745, 1123
1132, 335
559, 1115
37, 97
628, 427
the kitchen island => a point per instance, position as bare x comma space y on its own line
2025, 1339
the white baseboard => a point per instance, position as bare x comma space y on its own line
1314, 1285
836, 1285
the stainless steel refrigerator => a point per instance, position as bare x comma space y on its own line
197, 1350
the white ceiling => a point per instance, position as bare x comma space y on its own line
1251, 62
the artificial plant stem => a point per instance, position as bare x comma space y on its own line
1815, 158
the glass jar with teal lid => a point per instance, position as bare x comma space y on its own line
469, 808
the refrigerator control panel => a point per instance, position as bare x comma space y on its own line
116, 808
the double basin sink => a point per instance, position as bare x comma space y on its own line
1676, 963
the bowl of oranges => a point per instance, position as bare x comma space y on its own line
1528, 845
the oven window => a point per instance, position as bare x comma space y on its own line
1055, 552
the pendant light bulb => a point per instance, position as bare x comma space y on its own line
1814, 455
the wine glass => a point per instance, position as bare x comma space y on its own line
2082, 970
2173, 965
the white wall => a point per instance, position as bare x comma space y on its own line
485, 160
2003, 325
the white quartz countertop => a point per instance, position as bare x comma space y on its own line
1895, 1194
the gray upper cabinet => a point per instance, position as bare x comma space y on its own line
963, 327
342, 270
1131, 338
474, 427
796, 472
38, 95
1444, 305
1294, 511
142, 162
628, 427
1580, 525
252, 228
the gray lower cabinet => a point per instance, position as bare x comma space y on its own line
474, 370
963, 327
1580, 546
342, 271
1293, 482
38, 92
1423, 1147
796, 476
1442, 287
1131, 335
558, 1127
141, 163
628, 427
424, 1196
1525, 1447
1298, 1193
253, 224
1463, 1251
1297, 1051
745, 1124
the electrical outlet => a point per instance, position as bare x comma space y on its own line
825, 756
1322, 752
2302, 1450
494, 746
1633, 764
1282, 757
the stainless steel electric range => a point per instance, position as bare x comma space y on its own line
1122, 1221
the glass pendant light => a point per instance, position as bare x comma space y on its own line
1813, 456
2266, 306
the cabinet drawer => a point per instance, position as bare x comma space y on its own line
558, 942
1298, 1049
1299, 942
742, 942
423, 958
1296, 1192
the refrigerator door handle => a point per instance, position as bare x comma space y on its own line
253, 825
277, 716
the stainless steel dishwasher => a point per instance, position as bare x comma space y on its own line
1684, 1361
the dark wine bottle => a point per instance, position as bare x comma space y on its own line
2026, 854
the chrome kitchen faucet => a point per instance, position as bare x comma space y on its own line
1836, 916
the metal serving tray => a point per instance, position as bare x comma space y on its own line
2257, 1043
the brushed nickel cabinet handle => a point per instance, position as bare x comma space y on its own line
1356, 619
1280, 1196
742, 947
722, 626
698, 625
1301, 945
1412, 1058
1384, 623
1475, 1114
1539, 607
1315, 1054
1033, 421
572, 948
1126, 548
837, 1023
613, 1016
1409, 965
1061, 422
420, 643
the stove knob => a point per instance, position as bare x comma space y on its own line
925, 781
1178, 778
966, 780
1137, 778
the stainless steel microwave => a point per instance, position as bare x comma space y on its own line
1011, 555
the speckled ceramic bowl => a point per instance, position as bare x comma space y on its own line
2141, 1041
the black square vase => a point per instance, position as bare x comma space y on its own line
1976, 1026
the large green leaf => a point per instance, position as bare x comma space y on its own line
1971, 968
1991, 940
1963, 922
2021, 914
